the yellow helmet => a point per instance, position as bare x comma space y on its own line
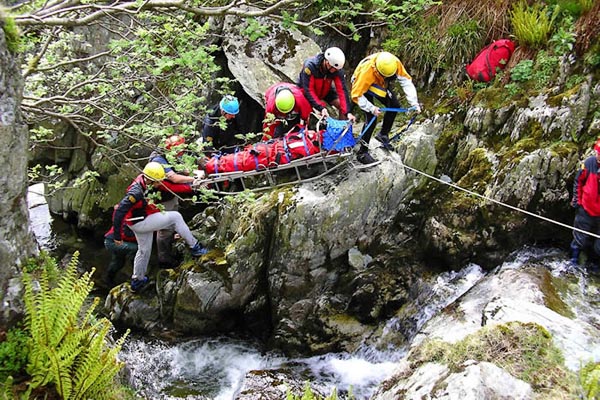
284, 100
387, 64
154, 171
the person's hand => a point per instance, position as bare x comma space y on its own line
324, 113
351, 118
417, 109
376, 111
118, 242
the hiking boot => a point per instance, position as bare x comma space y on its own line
139, 284
198, 250
365, 158
385, 142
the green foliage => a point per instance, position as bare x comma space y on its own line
11, 32
68, 346
525, 350
13, 353
522, 72
532, 24
308, 394
254, 29
592, 57
590, 380
563, 39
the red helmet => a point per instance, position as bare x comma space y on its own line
597, 145
174, 141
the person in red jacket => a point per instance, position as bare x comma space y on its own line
285, 108
323, 82
586, 199
143, 217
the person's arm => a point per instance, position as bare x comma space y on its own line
122, 208
410, 92
578, 184
307, 83
339, 81
174, 177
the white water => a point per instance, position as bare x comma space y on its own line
40, 221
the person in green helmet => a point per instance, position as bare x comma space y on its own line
285, 108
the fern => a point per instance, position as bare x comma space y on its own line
68, 346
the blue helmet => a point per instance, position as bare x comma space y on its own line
230, 105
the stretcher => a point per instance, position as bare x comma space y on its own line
333, 152
315, 166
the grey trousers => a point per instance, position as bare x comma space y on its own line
144, 234
164, 238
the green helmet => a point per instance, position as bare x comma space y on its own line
285, 101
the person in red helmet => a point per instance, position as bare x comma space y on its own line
586, 200
175, 183
288, 107
323, 82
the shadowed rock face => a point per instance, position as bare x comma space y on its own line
16, 242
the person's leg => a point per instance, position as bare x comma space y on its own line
142, 256
580, 241
164, 239
388, 118
117, 260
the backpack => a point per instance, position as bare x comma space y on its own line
490, 58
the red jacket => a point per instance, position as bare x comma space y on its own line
316, 83
586, 187
134, 207
302, 106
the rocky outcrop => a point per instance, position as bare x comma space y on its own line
16, 242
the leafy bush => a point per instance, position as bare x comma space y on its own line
13, 353
532, 24
68, 347
309, 395
590, 380
522, 72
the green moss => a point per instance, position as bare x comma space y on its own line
474, 172
11, 32
552, 299
525, 350
556, 101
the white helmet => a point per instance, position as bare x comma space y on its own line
336, 57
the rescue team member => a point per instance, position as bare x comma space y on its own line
323, 82
169, 195
220, 138
144, 217
370, 81
586, 199
287, 104
119, 253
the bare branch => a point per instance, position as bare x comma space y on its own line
65, 8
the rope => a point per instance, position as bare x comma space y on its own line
495, 201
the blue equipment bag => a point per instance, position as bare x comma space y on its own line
338, 135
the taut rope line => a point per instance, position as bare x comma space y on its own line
495, 201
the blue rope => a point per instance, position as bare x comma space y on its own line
385, 109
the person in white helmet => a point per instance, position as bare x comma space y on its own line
323, 82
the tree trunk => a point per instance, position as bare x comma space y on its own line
16, 241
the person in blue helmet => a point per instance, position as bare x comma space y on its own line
223, 137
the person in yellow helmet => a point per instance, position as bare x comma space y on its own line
370, 82
144, 218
